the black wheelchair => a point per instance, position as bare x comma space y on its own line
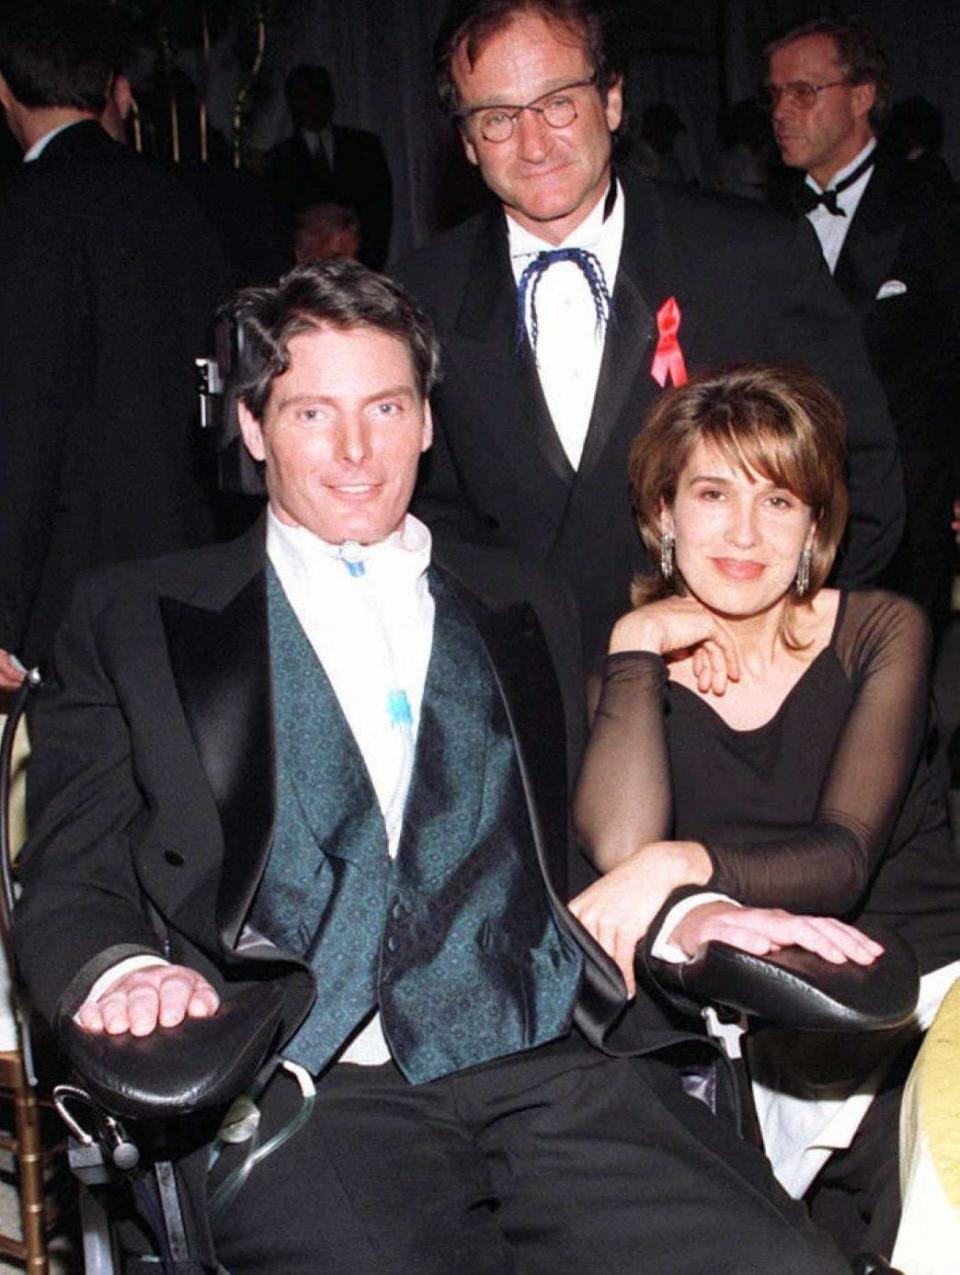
142, 1113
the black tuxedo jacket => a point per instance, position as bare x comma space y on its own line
750, 284
109, 277
899, 269
152, 784
358, 177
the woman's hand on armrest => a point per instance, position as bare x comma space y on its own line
617, 909
764, 930
153, 995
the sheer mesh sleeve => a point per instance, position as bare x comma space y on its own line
883, 645
623, 796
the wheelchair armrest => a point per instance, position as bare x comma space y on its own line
795, 988
175, 1071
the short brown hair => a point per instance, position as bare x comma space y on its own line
778, 421
337, 293
475, 21
859, 53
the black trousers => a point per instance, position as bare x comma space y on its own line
559, 1160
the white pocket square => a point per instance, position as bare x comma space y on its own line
892, 288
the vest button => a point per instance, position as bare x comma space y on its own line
399, 911
392, 944
174, 858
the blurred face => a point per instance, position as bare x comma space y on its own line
342, 434
738, 536
548, 179
317, 243
824, 138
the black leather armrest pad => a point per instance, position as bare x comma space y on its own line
204, 1062
795, 988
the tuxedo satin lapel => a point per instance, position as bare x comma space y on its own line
653, 260
221, 667
523, 670
515, 410
651, 269
627, 351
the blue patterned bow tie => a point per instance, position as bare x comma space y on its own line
589, 265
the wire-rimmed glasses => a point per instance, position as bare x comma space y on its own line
558, 109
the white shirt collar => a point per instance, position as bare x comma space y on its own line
592, 232
314, 139
402, 558
41, 144
846, 170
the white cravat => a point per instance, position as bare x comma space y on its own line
569, 344
831, 229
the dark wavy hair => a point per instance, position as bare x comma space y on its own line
778, 421
341, 293
859, 53
475, 21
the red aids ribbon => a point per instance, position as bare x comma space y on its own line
668, 357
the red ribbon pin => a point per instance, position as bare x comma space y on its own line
668, 357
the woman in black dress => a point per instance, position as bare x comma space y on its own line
759, 735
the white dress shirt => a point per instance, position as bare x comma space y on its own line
316, 142
372, 632
831, 229
570, 345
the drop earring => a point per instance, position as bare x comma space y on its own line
666, 555
802, 582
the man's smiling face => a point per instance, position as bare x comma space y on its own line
548, 179
342, 434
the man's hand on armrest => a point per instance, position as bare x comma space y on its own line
142, 998
764, 930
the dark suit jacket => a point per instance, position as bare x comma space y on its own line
905, 234
750, 286
359, 178
152, 780
108, 279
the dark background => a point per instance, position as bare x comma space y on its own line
698, 55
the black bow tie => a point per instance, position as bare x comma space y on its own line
808, 198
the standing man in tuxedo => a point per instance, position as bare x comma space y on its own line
316, 754
323, 162
563, 311
893, 247
109, 278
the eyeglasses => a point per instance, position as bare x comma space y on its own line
797, 92
557, 108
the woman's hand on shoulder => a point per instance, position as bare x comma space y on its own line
764, 930
617, 910
673, 625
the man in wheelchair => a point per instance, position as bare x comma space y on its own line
332, 755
